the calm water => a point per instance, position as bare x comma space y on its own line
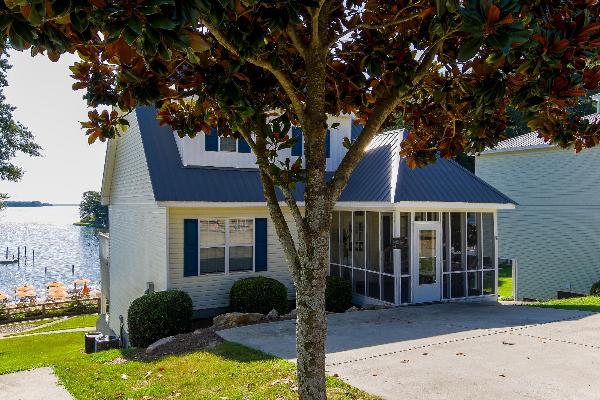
58, 245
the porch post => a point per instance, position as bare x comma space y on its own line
397, 254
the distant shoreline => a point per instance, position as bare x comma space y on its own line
30, 204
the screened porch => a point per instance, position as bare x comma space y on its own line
402, 257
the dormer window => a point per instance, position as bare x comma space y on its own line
230, 144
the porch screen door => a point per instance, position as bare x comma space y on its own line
426, 266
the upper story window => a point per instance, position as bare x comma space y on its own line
230, 144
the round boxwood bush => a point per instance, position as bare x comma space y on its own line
338, 294
158, 315
258, 294
595, 290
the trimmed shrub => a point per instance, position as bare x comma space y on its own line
595, 290
338, 294
258, 294
158, 315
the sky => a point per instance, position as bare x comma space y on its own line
46, 104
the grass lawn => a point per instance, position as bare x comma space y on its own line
80, 321
226, 371
588, 303
505, 282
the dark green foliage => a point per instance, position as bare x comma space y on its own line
595, 290
338, 294
158, 315
91, 210
258, 294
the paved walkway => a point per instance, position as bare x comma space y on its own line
35, 384
453, 351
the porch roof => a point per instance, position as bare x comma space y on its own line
380, 177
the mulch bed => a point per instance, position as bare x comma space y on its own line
184, 343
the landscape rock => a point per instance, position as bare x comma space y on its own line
159, 343
352, 309
291, 315
374, 307
272, 315
231, 320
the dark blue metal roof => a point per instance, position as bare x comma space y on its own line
372, 180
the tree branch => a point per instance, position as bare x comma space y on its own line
374, 124
388, 24
281, 77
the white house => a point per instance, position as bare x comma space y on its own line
189, 214
555, 232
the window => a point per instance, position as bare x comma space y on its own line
228, 144
470, 252
361, 252
212, 246
226, 245
240, 245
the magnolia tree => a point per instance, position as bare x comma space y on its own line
255, 68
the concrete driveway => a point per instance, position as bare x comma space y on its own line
453, 351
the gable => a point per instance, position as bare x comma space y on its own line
126, 178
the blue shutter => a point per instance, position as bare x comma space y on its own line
297, 148
211, 142
190, 247
260, 244
356, 130
328, 144
243, 146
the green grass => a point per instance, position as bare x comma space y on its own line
588, 303
81, 321
226, 371
505, 282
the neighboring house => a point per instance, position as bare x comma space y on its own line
189, 214
555, 232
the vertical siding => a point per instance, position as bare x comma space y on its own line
555, 231
212, 291
138, 228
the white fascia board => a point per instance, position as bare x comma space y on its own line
518, 149
456, 206
218, 204
107, 173
354, 205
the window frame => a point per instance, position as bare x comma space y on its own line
227, 151
226, 245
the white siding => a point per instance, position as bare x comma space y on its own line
138, 228
192, 151
555, 231
212, 291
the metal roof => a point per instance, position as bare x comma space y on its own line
381, 176
531, 140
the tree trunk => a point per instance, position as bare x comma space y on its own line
311, 326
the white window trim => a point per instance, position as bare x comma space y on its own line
223, 151
226, 246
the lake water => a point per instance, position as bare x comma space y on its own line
58, 245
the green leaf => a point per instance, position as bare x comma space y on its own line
129, 35
135, 25
335, 125
470, 48
161, 22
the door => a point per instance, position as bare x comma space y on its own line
427, 262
